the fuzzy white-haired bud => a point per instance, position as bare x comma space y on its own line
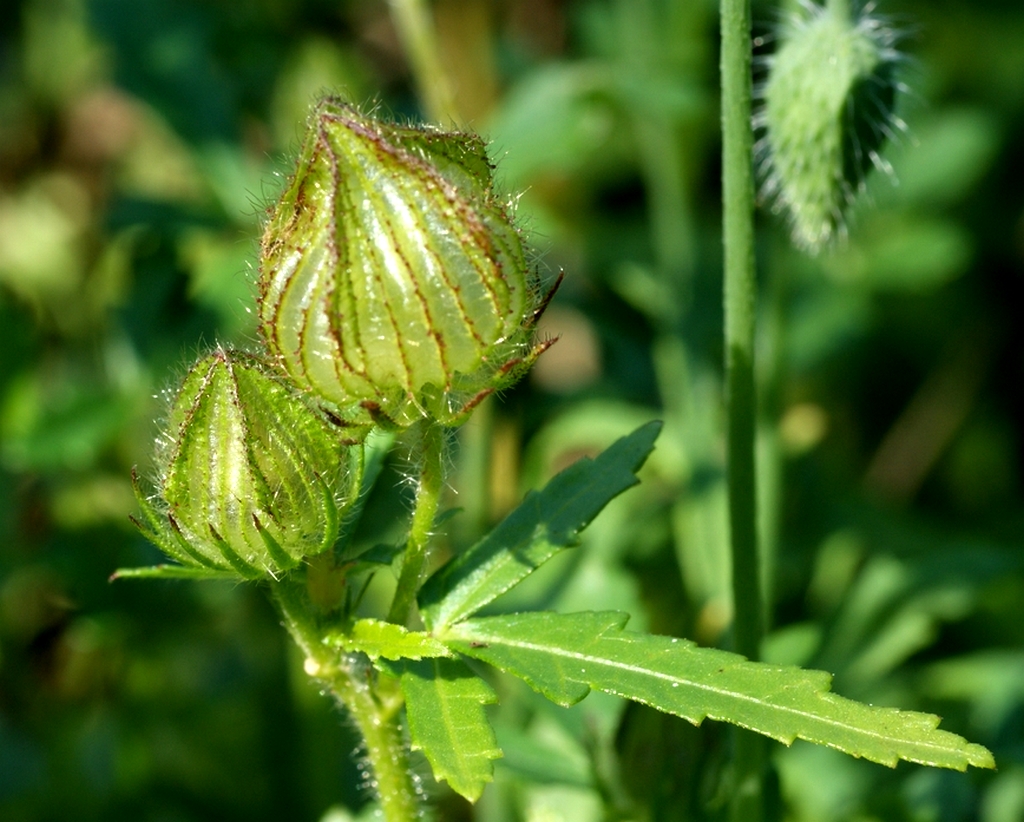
827, 110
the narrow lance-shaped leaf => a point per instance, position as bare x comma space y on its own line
565, 655
547, 522
444, 703
171, 572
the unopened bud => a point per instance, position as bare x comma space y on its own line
251, 477
392, 282
828, 109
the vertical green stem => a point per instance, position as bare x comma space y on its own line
376, 717
841, 8
386, 750
419, 41
740, 292
428, 495
740, 298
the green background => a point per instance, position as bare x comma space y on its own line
140, 143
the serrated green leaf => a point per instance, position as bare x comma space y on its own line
564, 655
377, 638
444, 702
547, 522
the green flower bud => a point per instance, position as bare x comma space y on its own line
392, 281
251, 478
828, 109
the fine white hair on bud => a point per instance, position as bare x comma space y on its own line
393, 283
826, 111
252, 477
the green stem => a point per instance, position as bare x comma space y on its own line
386, 750
841, 8
740, 299
419, 41
375, 712
428, 496
740, 293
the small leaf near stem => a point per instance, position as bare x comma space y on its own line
377, 639
428, 495
445, 706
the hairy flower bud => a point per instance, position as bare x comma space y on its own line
251, 478
828, 109
392, 281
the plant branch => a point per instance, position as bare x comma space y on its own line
351, 680
386, 750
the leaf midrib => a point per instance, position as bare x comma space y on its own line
704, 687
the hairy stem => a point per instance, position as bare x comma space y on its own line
374, 710
740, 292
386, 751
428, 495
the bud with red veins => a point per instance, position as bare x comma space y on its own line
393, 283
252, 479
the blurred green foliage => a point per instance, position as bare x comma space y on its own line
140, 141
